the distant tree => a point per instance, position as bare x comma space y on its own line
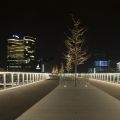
55, 70
61, 69
75, 44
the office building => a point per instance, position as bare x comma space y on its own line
20, 53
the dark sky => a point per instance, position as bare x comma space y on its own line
48, 21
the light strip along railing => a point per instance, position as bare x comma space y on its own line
109, 77
13, 79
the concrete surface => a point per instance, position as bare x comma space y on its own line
66, 102
16, 101
112, 89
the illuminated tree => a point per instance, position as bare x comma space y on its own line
75, 44
55, 70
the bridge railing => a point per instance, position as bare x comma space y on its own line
13, 79
109, 77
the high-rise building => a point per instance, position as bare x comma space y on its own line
20, 53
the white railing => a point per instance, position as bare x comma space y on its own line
13, 79
109, 77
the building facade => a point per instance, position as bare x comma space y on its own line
20, 53
118, 66
103, 66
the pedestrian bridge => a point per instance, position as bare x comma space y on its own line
81, 102
15, 79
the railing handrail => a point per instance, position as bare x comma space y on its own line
22, 72
21, 78
109, 77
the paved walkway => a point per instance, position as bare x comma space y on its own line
70, 103
16, 101
111, 88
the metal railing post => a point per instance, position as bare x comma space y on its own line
23, 82
12, 79
18, 79
4, 80
27, 78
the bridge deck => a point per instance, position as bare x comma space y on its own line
70, 103
14, 102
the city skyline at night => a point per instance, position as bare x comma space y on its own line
49, 21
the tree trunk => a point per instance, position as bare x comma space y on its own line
76, 71
75, 75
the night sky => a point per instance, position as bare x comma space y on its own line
48, 21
